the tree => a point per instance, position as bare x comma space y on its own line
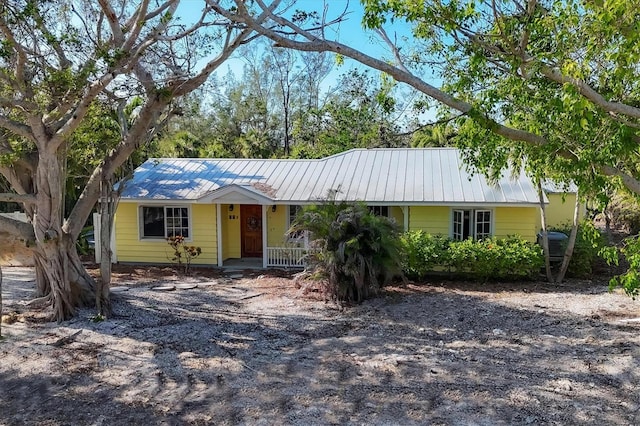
252, 116
561, 78
552, 82
360, 114
357, 251
57, 60
190, 133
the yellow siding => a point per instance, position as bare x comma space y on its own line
520, 221
559, 211
395, 212
231, 245
507, 221
434, 220
277, 225
130, 248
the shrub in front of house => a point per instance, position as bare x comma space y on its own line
423, 253
356, 251
589, 242
483, 260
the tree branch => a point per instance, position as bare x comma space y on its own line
10, 197
16, 128
315, 44
588, 92
21, 59
136, 137
112, 19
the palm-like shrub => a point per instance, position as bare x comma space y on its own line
355, 250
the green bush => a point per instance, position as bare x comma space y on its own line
357, 251
487, 259
629, 280
589, 241
422, 253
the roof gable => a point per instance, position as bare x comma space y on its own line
236, 194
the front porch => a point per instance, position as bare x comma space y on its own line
276, 257
251, 230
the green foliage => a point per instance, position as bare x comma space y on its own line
183, 254
423, 253
487, 259
97, 318
82, 244
433, 136
356, 251
357, 116
530, 68
630, 280
589, 244
97, 134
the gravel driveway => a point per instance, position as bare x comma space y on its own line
246, 348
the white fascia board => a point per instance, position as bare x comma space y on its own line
150, 201
235, 194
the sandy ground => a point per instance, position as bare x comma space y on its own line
253, 349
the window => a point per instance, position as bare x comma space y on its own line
471, 223
293, 213
163, 222
458, 225
483, 224
379, 210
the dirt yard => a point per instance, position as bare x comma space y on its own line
253, 349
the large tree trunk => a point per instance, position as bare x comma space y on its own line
60, 275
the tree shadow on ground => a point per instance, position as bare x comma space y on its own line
416, 356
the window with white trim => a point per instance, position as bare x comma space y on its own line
483, 224
472, 223
379, 210
164, 221
458, 225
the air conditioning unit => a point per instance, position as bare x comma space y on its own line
557, 245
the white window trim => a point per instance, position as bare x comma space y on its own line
141, 237
453, 224
475, 222
492, 225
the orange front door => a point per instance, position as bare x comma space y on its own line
251, 230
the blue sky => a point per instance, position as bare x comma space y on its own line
349, 32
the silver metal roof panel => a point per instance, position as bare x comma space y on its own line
385, 176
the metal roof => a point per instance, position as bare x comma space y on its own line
401, 176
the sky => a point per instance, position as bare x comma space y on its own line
349, 32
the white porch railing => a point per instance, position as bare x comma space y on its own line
286, 257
